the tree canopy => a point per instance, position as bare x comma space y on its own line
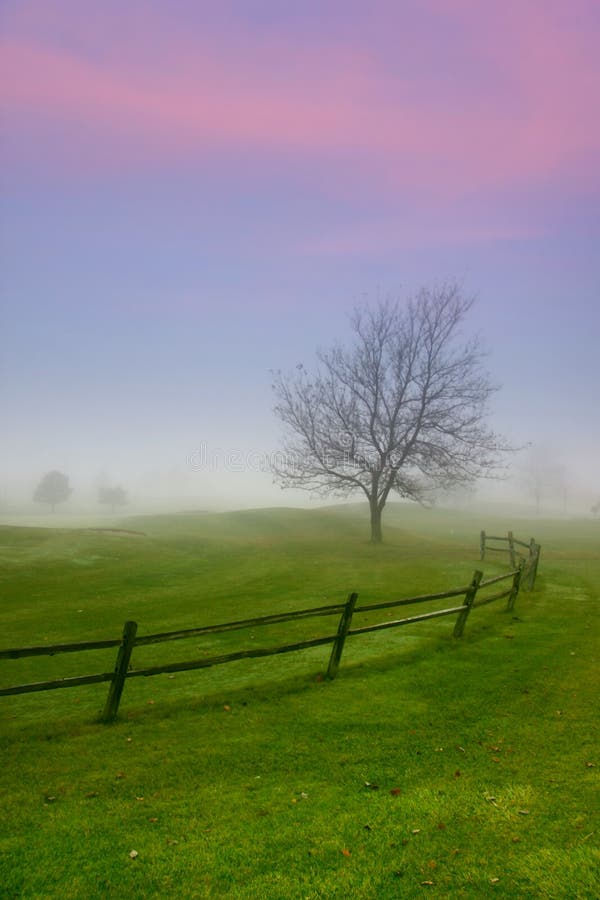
403, 409
113, 496
53, 488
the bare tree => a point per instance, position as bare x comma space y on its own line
402, 410
543, 477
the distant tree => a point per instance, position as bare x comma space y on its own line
53, 488
596, 508
543, 477
112, 496
402, 410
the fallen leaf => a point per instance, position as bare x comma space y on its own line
133, 854
494, 880
371, 786
516, 840
153, 819
139, 798
227, 708
496, 759
416, 831
590, 765
426, 882
441, 826
346, 852
92, 794
457, 773
395, 791
523, 812
120, 775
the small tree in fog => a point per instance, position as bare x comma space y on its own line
543, 477
401, 410
53, 488
112, 496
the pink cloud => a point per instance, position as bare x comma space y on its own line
337, 104
206, 102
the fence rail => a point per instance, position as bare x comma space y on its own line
473, 594
510, 545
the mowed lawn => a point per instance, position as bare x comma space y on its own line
430, 767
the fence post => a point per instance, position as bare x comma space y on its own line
515, 586
121, 666
343, 629
482, 545
511, 549
533, 566
469, 600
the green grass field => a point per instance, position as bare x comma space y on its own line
430, 767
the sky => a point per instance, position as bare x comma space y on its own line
195, 194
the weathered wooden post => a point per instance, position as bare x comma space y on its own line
343, 629
529, 564
482, 545
515, 586
511, 549
469, 600
121, 667
533, 566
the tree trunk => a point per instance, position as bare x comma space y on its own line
376, 536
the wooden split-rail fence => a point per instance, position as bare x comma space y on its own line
511, 545
474, 594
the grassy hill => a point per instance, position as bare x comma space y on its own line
459, 768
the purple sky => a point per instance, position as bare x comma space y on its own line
195, 193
